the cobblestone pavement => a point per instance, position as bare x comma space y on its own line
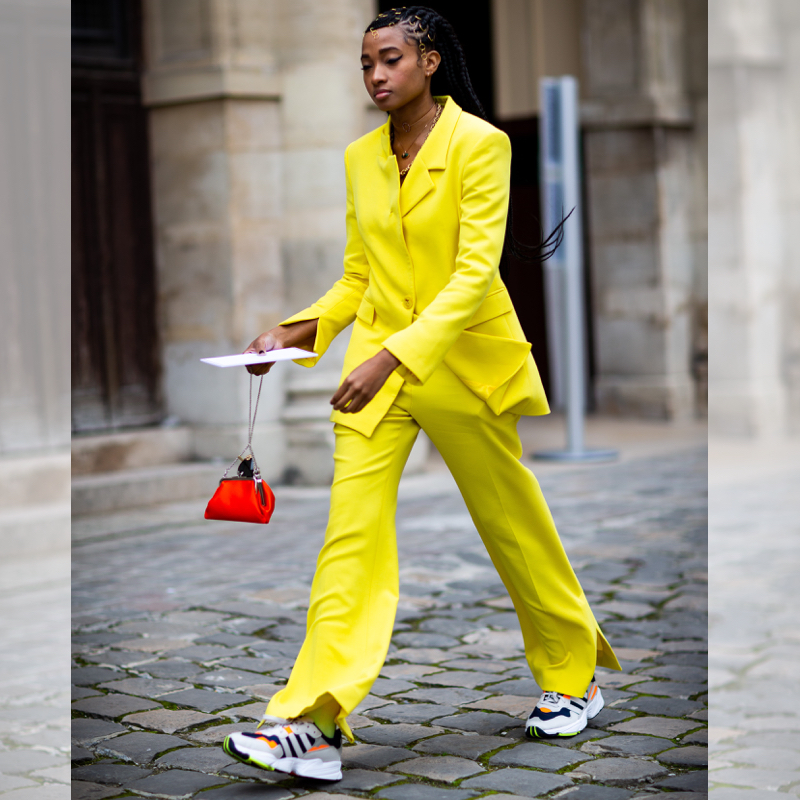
754, 536
34, 690
183, 628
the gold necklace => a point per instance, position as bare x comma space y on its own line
433, 123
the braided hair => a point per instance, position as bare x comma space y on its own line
431, 31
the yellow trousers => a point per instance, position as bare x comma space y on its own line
355, 589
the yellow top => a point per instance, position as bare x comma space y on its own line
421, 269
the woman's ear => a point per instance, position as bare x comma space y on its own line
431, 62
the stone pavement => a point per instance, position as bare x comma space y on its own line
183, 628
754, 537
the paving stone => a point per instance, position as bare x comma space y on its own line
175, 783
692, 756
154, 645
671, 689
409, 671
418, 791
654, 726
263, 691
16, 762
446, 769
80, 692
262, 666
484, 722
90, 676
88, 731
140, 747
458, 744
620, 771
609, 716
217, 733
628, 745
114, 774
111, 706
247, 791
202, 759
411, 712
460, 678
9, 782
454, 696
371, 701
518, 781
372, 756
168, 721
86, 790
203, 700
172, 670
661, 706
678, 672
537, 756
448, 626
478, 664
229, 639
697, 781
362, 780
421, 655
617, 680
513, 705
398, 735
521, 687
250, 711
80, 754
227, 678
387, 686
696, 737
595, 792
421, 639
204, 654
145, 687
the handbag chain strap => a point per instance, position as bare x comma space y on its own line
251, 423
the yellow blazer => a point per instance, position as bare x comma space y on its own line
421, 269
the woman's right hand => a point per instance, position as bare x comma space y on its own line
263, 344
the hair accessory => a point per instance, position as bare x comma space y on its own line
246, 497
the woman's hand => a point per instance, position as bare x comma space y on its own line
297, 334
271, 340
364, 382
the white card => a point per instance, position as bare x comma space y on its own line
243, 359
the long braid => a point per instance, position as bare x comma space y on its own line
432, 31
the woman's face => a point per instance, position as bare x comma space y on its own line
394, 73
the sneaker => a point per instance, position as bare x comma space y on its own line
295, 746
559, 714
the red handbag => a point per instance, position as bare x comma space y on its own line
246, 497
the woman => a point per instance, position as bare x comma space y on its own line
436, 345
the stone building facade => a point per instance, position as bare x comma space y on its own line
250, 105
754, 205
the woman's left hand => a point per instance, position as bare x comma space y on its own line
364, 382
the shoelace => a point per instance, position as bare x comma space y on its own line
553, 698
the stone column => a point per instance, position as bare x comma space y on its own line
638, 121
746, 192
214, 88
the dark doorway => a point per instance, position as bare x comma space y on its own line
115, 354
472, 23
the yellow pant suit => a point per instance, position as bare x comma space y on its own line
421, 280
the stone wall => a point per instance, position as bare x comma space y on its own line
754, 73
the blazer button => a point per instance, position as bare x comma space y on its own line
408, 302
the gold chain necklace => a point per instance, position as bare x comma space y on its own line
435, 119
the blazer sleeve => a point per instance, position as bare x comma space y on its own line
336, 309
485, 183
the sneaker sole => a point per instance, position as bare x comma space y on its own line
314, 768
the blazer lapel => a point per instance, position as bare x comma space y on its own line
432, 156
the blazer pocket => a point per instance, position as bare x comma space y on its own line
495, 304
366, 312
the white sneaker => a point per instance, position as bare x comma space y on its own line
559, 714
295, 746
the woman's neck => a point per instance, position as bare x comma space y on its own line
413, 111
